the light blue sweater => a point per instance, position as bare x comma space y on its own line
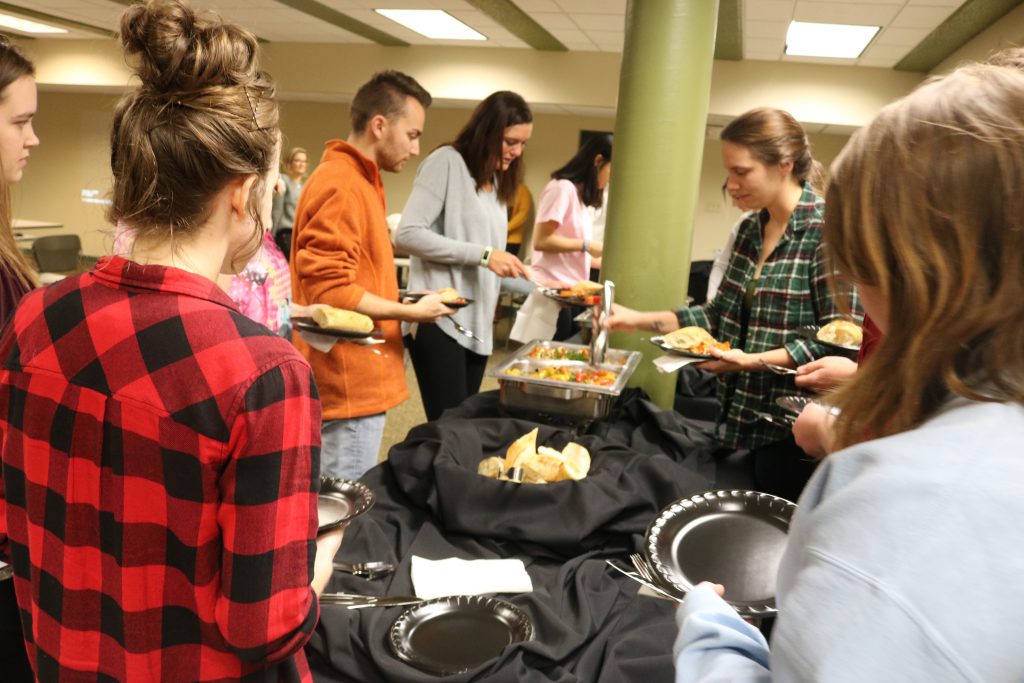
446, 224
905, 563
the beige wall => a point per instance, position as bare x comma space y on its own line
74, 152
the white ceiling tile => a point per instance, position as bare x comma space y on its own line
593, 6
894, 52
763, 45
599, 22
921, 17
608, 41
765, 29
531, 6
877, 62
768, 10
902, 36
938, 3
551, 20
844, 13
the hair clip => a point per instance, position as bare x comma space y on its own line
252, 107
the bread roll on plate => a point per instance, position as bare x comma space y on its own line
331, 318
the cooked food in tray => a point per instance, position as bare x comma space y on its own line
694, 340
842, 332
539, 465
559, 353
562, 373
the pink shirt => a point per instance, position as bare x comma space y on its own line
560, 202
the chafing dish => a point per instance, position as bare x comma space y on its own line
571, 399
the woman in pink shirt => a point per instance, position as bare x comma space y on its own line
562, 237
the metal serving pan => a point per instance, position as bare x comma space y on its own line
562, 398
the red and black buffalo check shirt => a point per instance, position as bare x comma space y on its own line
160, 468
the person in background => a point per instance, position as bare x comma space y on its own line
910, 530
165, 446
454, 225
17, 138
342, 257
520, 220
263, 290
598, 219
777, 281
286, 197
563, 241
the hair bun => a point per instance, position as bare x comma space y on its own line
180, 50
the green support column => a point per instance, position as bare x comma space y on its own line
664, 88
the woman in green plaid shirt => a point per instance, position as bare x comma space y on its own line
777, 281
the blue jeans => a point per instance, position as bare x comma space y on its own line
349, 447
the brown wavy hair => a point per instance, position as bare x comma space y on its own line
479, 142
203, 115
13, 65
773, 137
942, 241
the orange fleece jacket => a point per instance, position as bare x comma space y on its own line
340, 250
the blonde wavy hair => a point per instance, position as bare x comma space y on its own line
926, 205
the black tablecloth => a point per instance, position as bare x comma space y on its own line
590, 625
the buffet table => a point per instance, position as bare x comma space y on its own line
590, 624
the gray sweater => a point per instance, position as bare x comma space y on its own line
445, 227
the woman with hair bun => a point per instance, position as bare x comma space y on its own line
161, 450
776, 282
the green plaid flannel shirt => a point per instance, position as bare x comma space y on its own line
792, 291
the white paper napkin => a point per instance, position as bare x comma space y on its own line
537, 319
321, 342
672, 363
452, 576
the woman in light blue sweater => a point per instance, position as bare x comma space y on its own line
454, 227
904, 560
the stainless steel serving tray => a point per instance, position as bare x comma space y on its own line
562, 398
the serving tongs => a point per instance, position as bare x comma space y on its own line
369, 570
599, 338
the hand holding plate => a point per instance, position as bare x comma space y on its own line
825, 373
428, 309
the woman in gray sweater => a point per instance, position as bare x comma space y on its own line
454, 227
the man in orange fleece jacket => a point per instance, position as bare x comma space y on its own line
342, 256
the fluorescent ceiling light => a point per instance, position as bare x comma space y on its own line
843, 41
27, 26
432, 23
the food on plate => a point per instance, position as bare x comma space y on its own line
559, 353
339, 319
841, 332
562, 373
539, 465
585, 292
694, 340
451, 296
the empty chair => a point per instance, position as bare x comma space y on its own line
57, 253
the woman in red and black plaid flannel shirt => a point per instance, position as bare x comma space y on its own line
160, 449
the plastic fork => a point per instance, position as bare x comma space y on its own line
642, 581
462, 330
778, 369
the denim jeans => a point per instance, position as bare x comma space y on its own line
349, 447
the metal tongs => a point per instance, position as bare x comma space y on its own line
599, 338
